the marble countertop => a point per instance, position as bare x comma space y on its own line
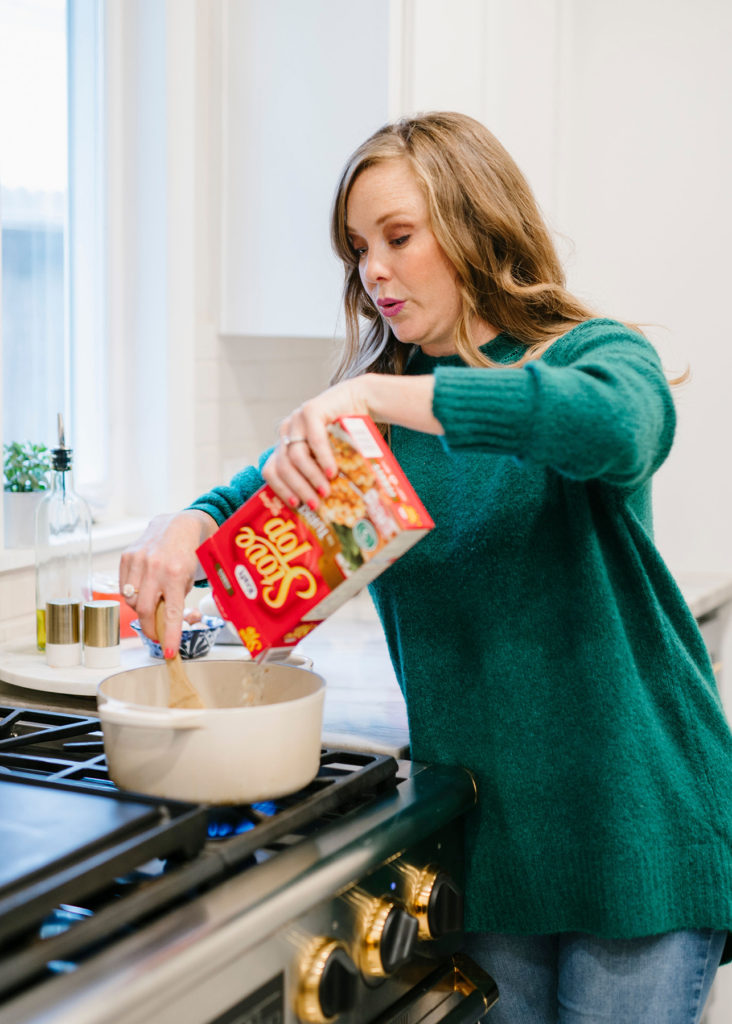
364, 708
705, 592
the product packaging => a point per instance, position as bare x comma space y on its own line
277, 572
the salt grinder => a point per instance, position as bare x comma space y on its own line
101, 634
63, 643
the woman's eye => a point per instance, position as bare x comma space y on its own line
400, 241
359, 251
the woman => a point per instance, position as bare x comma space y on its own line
536, 633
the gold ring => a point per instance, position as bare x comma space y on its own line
129, 591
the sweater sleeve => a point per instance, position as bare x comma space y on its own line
595, 406
222, 502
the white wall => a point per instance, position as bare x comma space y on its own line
646, 198
618, 113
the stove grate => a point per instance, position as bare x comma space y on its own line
21, 727
67, 752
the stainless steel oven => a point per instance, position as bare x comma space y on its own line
341, 903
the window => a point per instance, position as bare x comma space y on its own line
53, 296
131, 124
33, 176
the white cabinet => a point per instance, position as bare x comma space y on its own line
303, 85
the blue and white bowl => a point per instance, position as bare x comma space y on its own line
195, 642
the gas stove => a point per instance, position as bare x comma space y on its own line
341, 902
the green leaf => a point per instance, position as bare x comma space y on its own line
26, 466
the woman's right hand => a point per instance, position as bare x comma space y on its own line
301, 466
163, 563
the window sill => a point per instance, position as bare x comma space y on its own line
105, 537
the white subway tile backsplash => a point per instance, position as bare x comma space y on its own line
208, 467
17, 628
207, 423
261, 380
17, 594
296, 378
242, 421
271, 349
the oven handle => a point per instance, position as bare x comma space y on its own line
461, 974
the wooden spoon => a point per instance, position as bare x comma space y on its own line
182, 692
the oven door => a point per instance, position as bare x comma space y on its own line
458, 992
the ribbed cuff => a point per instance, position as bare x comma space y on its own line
485, 408
216, 513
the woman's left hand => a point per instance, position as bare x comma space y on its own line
300, 467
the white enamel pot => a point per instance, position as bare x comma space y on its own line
257, 738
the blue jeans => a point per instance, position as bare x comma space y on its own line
573, 978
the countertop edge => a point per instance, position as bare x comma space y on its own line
705, 592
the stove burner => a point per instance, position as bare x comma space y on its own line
227, 821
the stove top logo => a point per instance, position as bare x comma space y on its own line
271, 554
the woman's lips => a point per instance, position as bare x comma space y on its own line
390, 307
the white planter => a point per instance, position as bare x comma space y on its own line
19, 517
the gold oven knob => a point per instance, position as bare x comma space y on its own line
327, 983
388, 936
436, 902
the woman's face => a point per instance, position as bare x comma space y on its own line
402, 267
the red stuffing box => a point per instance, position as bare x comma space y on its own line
277, 572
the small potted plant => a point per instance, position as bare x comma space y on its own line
26, 467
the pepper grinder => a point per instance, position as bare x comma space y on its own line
101, 634
63, 643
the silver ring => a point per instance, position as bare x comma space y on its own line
287, 441
129, 591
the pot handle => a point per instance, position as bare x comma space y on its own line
123, 714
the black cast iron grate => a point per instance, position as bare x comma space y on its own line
52, 749
47, 744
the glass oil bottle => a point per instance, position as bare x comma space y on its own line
63, 541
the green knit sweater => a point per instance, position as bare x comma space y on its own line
540, 640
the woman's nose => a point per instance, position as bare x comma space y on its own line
374, 267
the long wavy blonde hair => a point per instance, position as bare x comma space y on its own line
487, 222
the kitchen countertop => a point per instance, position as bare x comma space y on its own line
705, 592
364, 707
